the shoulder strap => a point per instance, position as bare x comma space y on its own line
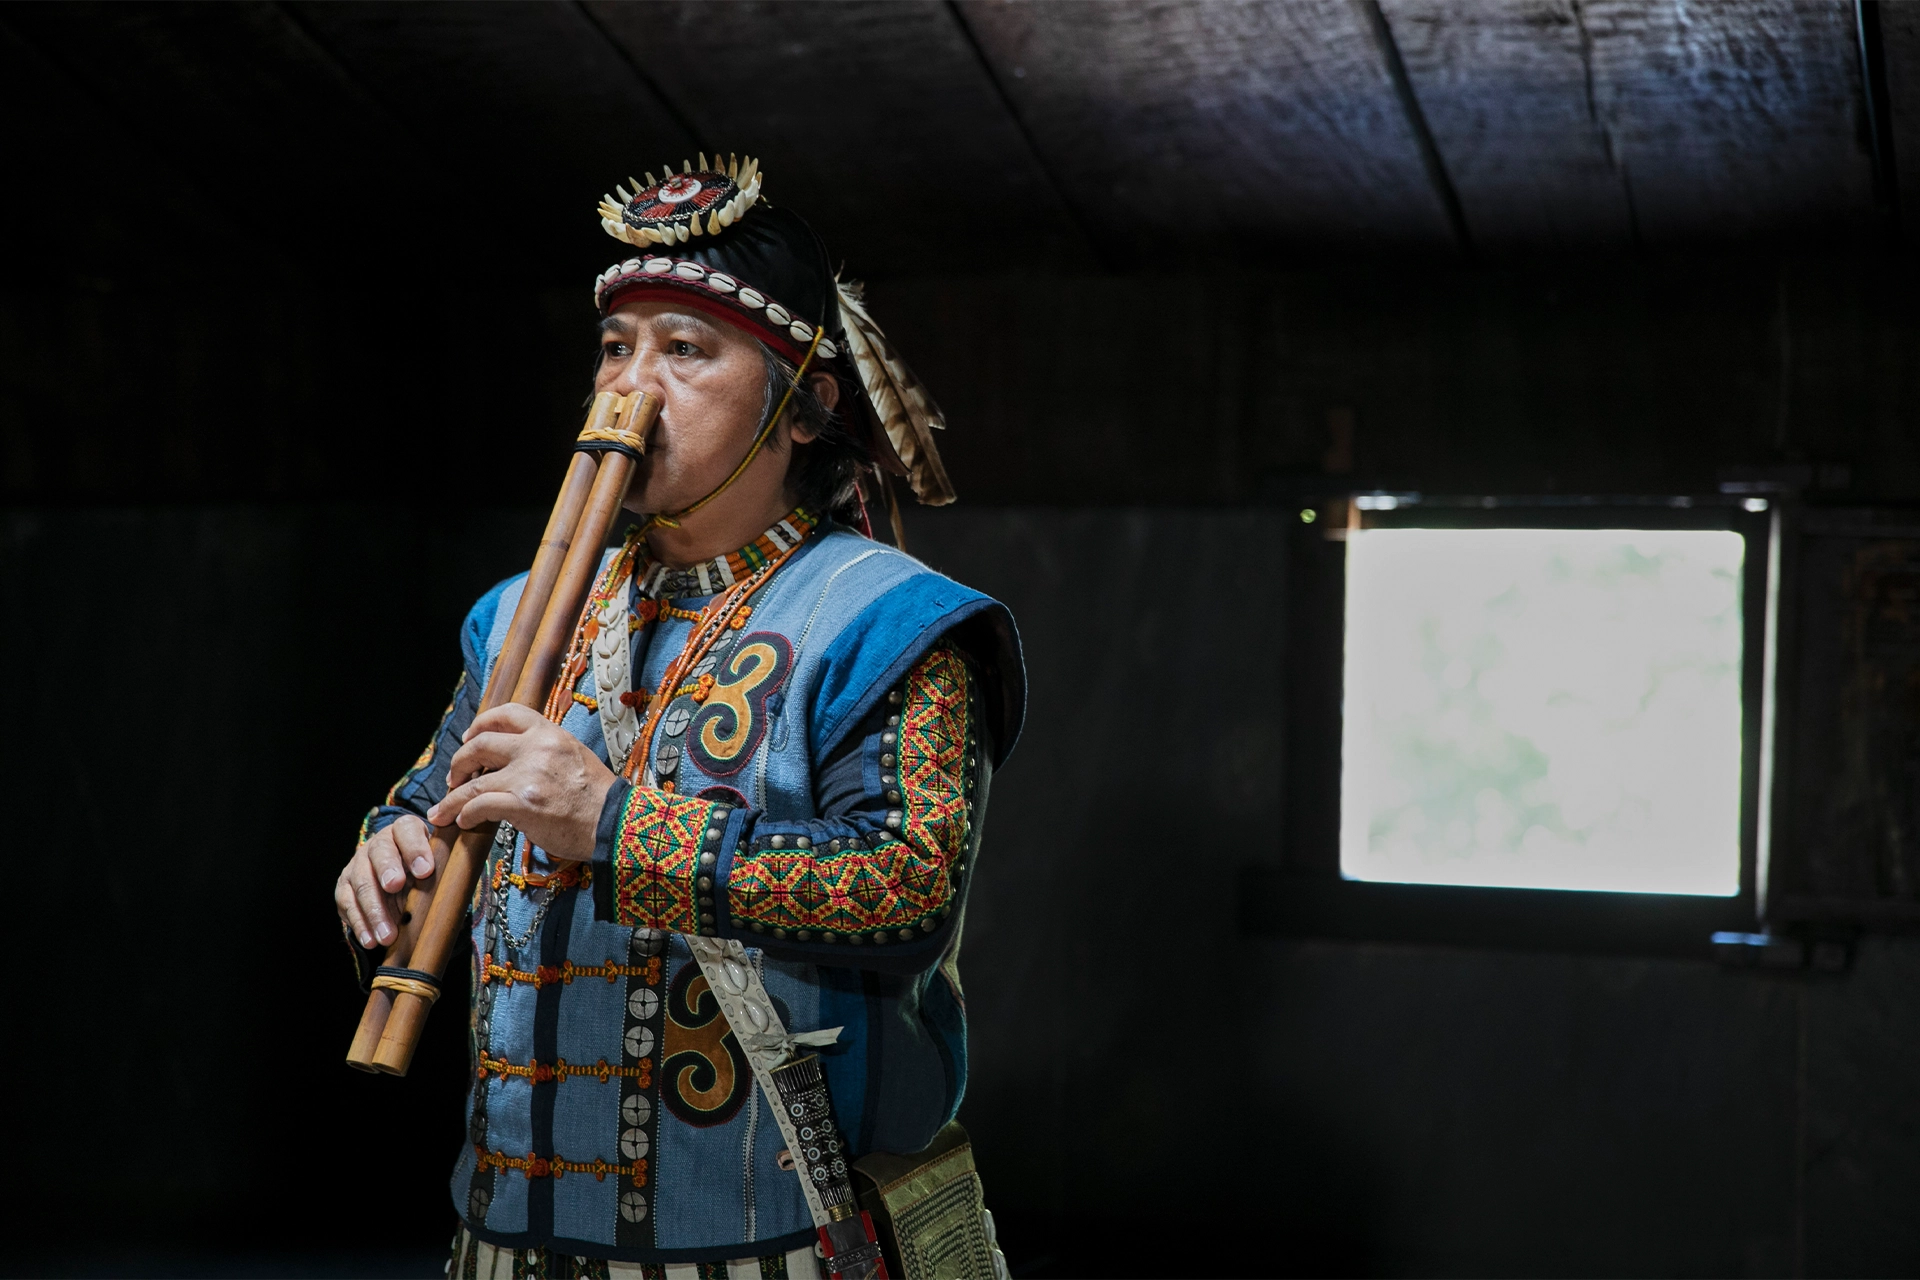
735, 983
613, 674
796, 1091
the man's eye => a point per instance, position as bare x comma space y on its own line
616, 350
682, 348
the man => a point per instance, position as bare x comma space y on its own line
781, 734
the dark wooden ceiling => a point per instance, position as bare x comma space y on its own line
952, 138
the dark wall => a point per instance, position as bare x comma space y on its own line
1640, 375
207, 698
188, 787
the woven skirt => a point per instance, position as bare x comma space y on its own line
475, 1259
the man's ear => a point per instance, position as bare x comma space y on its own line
826, 388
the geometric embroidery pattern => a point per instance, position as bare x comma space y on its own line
903, 883
656, 860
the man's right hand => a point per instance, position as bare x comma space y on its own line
367, 895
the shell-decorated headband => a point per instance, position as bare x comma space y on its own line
621, 274
682, 205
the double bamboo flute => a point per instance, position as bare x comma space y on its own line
564, 567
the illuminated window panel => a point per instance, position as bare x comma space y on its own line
1543, 709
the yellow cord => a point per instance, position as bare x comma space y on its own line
673, 521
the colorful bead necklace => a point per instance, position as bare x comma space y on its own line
719, 573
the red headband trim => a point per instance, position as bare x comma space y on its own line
699, 299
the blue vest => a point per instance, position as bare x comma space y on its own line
653, 1142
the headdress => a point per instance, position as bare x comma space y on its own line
706, 234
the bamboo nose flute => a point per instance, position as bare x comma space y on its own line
408, 980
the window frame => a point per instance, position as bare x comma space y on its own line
1303, 894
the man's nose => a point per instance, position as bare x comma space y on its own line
642, 374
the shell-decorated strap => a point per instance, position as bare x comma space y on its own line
613, 675
734, 980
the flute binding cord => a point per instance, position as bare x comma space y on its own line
613, 431
414, 982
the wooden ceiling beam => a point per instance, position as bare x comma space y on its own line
1572, 124
979, 137
1202, 131
1735, 121
640, 74
1900, 55
1012, 109
1508, 91
1416, 117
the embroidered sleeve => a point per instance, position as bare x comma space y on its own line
892, 878
664, 851
881, 866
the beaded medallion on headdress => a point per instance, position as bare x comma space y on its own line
695, 201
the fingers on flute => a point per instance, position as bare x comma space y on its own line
349, 909
508, 717
415, 848
372, 903
383, 859
494, 806
482, 753
459, 801
351, 902
448, 811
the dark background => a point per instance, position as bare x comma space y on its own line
294, 327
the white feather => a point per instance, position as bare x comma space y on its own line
906, 412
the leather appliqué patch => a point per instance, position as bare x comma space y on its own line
733, 717
706, 1076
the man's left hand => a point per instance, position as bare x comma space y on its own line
517, 766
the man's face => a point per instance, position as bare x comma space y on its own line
711, 381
